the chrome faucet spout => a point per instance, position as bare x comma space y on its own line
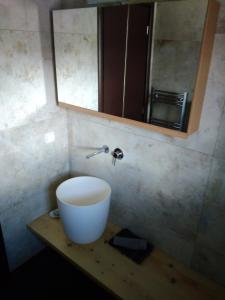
103, 149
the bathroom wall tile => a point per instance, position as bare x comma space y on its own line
77, 65
210, 263
181, 20
220, 143
131, 214
27, 15
33, 157
46, 46
221, 19
13, 15
79, 21
211, 232
217, 70
165, 239
35, 160
24, 93
215, 192
38, 13
212, 228
163, 184
177, 74
21, 244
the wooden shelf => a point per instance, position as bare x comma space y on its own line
159, 277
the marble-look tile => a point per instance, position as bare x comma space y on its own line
77, 69
181, 20
217, 70
177, 74
20, 243
215, 192
33, 157
13, 15
212, 228
27, 15
209, 263
163, 238
38, 13
126, 128
221, 20
35, 160
46, 46
79, 21
133, 217
164, 184
220, 143
24, 92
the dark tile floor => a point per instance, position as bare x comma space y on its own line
49, 272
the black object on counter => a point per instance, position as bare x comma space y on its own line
131, 245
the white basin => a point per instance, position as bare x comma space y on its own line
84, 207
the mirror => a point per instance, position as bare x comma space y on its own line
138, 62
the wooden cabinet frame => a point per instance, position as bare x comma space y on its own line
199, 90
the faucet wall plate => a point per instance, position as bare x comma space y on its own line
117, 154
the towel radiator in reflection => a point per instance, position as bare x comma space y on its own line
168, 109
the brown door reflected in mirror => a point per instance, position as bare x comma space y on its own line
124, 53
112, 48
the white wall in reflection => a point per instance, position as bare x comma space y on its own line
75, 38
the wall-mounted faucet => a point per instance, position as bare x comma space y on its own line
103, 149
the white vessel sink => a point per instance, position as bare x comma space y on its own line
84, 207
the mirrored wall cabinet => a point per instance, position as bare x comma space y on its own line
142, 64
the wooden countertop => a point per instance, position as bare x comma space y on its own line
159, 277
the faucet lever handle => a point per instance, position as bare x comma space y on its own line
117, 154
114, 161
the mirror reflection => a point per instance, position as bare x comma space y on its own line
134, 61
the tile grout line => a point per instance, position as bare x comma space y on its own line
23, 30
